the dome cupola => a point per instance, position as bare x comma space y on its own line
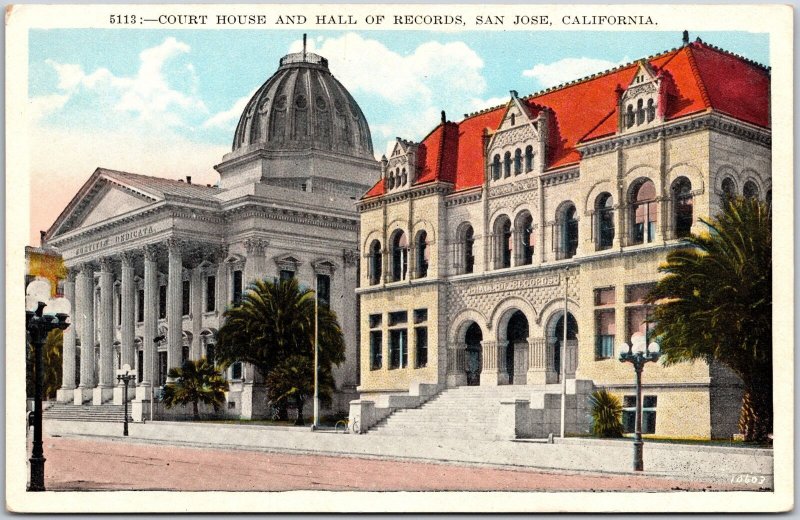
302, 106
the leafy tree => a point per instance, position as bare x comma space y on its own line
274, 327
292, 380
606, 414
195, 382
716, 305
53, 346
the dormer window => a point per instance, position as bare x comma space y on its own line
630, 117
638, 103
528, 158
496, 167
517, 162
640, 112
651, 110
507, 165
513, 119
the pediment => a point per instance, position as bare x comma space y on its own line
517, 114
113, 202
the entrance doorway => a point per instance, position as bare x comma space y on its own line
473, 339
558, 338
516, 332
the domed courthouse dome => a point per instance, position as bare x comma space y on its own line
303, 106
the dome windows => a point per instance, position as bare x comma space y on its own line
300, 102
321, 104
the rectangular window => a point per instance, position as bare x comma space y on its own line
637, 293
286, 275
236, 370
604, 321
211, 293
420, 315
186, 297
398, 318
211, 353
184, 354
605, 296
237, 287
140, 306
375, 346
398, 348
421, 340
162, 302
636, 313
375, 320
649, 403
324, 289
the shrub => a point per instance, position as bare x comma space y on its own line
606, 414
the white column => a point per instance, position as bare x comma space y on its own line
127, 319
196, 308
66, 392
105, 317
85, 302
255, 264
221, 280
141, 405
174, 304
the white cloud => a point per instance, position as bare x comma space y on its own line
147, 95
42, 106
568, 69
227, 118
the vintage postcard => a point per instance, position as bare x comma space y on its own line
399, 258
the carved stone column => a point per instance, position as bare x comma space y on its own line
104, 390
141, 403
85, 303
492, 362
221, 289
572, 359
456, 365
67, 391
255, 264
127, 320
537, 361
196, 308
521, 362
174, 304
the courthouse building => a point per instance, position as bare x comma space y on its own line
153, 262
472, 237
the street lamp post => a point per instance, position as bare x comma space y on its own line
39, 325
315, 424
125, 377
638, 353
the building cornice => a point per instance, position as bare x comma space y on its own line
414, 192
255, 210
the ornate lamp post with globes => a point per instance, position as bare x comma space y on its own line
38, 325
638, 353
125, 377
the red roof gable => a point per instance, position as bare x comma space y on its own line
697, 76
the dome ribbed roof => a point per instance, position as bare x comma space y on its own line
303, 106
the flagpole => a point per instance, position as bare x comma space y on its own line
316, 356
563, 363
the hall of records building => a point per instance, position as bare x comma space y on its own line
470, 236
153, 262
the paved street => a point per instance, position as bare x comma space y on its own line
75, 463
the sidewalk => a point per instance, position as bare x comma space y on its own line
680, 461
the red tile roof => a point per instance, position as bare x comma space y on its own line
698, 77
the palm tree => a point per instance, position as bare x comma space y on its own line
293, 380
195, 382
606, 414
274, 326
716, 305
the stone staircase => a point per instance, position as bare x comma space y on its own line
466, 412
86, 413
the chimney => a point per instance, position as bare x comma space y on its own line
444, 118
686, 37
188, 179
41, 237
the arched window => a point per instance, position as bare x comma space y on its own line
399, 256
750, 190
728, 190
569, 232
517, 162
513, 119
375, 262
507, 165
640, 112
503, 243
604, 211
682, 203
525, 238
529, 158
644, 213
496, 167
404, 177
422, 254
769, 197
468, 244
651, 110
630, 117
390, 180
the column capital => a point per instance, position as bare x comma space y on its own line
256, 246
72, 274
174, 244
126, 258
220, 253
106, 264
350, 257
86, 268
150, 252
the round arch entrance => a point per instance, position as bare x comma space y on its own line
473, 361
517, 341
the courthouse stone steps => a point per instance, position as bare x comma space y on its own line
88, 412
468, 412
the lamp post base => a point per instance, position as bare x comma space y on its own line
638, 452
37, 474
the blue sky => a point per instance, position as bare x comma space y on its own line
166, 102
